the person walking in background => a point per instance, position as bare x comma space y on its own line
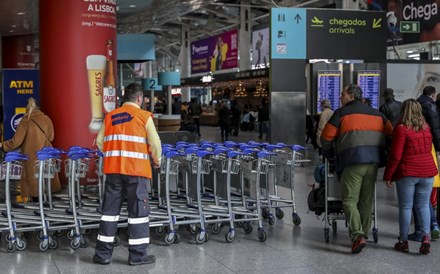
128, 139
431, 114
224, 120
391, 107
34, 132
326, 113
194, 111
412, 166
236, 118
263, 120
357, 133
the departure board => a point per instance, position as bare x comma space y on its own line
329, 87
369, 82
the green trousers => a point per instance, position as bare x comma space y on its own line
358, 182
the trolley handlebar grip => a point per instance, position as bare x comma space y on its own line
206, 145
76, 156
171, 154
273, 147
220, 150
203, 153
15, 156
99, 153
250, 150
230, 144
232, 154
53, 150
43, 155
265, 153
298, 147
191, 150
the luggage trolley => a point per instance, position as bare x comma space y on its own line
11, 169
282, 172
333, 204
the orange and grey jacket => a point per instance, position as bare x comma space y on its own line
356, 133
126, 142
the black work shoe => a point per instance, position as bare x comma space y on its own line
97, 260
148, 260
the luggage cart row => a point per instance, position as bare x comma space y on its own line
193, 205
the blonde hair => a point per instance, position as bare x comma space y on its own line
31, 105
412, 116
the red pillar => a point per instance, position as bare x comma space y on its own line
70, 31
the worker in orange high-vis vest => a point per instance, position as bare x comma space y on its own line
128, 139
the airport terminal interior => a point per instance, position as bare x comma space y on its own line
243, 55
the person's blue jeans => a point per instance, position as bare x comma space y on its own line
414, 192
433, 222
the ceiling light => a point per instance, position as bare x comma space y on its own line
12, 30
132, 6
21, 13
13, 26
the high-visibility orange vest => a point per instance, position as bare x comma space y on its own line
125, 142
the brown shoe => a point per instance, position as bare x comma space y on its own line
425, 248
358, 245
401, 246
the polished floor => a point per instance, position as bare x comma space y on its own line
288, 249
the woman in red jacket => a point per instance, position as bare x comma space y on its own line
411, 165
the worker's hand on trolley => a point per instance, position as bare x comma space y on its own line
156, 165
389, 183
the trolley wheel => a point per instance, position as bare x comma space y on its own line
192, 229
375, 235
296, 219
327, 234
21, 244
8, 237
264, 213
10, 247
176, 238
160, 230
247, 228
279, 213
44, 245
230, 236
40, 235
262, 236
271, 219
116, 240
215, 228
58, 233
84, 241
169, 239
71, 234
201, 238
74, 244
53, 243
334, 226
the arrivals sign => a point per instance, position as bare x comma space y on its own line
18, 87
330, 34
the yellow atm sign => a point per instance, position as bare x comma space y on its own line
22, 87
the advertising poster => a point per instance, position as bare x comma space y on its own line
18, 86
408, 80
20, 52
215, 53
78, 75
410, 21
260, 48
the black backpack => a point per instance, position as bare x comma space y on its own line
316, 200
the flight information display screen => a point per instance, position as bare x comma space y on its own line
329, 87
369, 82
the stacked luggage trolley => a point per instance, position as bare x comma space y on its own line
243, 193
333, 204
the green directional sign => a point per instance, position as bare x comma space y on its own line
410, 27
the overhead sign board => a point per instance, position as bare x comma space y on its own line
409, 26
329, 34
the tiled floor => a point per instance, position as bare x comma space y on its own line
288, 249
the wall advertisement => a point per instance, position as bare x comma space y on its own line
215, 53
18, 86
260, 48
78, 74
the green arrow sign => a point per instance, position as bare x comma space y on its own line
409, 27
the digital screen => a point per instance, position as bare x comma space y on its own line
369, 82
329, 87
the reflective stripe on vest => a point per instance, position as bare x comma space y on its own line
139, 241
129, 154
123, 137
106, 239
